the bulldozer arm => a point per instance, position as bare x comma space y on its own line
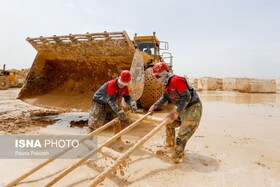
68, 69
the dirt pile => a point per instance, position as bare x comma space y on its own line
27, 121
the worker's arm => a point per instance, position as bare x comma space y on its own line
131, 103
161, 101
111, 95
112, 103
184, 100
158, 103
115, 108
182, 92
126, 96
129, 100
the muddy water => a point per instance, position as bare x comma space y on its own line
239, 98
236, 144
12, 107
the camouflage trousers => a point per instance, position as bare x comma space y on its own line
188, 123
99, 115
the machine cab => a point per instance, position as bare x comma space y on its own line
151, 47
147, 44
148, 47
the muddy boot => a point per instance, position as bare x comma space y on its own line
170, 137
178, 152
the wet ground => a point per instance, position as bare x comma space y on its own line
236, 144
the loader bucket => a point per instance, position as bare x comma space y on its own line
68, 69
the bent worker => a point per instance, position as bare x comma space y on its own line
188, 110
106, 98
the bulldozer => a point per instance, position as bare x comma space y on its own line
68, 69
7, 78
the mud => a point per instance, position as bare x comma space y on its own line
79, 123
236, 144
18, 117
26, 122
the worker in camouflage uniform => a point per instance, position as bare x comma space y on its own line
105, 99
188, 110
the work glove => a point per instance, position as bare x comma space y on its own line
133, 107
173, 115
121, 115
152, 108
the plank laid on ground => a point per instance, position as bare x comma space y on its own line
120, 160
17, 180
90, 154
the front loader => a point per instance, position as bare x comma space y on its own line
7, 78
68, 69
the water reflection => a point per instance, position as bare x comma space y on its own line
241, 98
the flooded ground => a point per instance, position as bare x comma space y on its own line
239, 98
236, 144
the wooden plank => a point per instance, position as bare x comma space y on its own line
17, 180
90, 154
148, 118
121, 159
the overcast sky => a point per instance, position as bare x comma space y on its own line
217, 38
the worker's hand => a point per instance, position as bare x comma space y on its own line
173, 115
121, 115
151, 109
133, 107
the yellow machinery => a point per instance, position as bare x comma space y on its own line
7, 79
68, 69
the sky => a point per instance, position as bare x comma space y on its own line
215, 38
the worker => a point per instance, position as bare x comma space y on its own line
106, 98
187, 113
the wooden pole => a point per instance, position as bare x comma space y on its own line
17, 180
148, 118
121, 159
90, 154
